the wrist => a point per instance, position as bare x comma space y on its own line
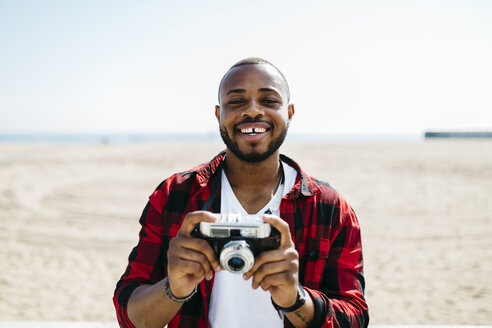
286, 302
299, 301
177, 299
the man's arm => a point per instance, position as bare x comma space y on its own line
338, 272
139, 298
278, 272
190, 260
149, 306
145, 263
338, 299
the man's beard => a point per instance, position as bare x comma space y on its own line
253, 157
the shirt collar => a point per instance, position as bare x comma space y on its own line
305, 184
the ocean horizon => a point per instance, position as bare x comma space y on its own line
92, 138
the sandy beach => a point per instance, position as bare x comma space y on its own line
69, 218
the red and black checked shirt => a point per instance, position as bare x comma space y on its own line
323, 226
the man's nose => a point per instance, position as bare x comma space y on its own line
254, 109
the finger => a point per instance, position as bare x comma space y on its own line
187, 267
192, 218
193, 256
277, 280
289, 268
276, 255
203, 247
282, 227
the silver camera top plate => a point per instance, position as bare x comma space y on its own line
249, 226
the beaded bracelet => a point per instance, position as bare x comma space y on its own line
173, 298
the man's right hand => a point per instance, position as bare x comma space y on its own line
190, 259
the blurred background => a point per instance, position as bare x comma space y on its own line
355, 67
102, 100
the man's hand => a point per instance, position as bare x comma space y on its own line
277, 270
190, 259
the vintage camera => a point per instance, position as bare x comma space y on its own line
236, 239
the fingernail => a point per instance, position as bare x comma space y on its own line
217, 268
210, 275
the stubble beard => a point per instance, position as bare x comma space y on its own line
253, 156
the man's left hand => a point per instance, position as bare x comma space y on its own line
277, 270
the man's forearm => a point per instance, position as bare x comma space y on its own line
149, 306
303, 316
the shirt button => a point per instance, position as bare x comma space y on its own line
312, 253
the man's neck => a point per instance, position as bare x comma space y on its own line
254, 184
250, 175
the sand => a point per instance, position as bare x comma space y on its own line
69, 218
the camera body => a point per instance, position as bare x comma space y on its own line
236, 240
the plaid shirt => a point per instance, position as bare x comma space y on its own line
323, 227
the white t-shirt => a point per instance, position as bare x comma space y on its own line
233, 302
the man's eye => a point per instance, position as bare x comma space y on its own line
236, 101
270, 101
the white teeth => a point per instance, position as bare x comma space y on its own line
253, 130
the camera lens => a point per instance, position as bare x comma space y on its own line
236, 256
236, 263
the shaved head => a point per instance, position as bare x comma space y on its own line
256, 61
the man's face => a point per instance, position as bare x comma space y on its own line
254, 113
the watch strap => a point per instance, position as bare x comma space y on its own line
300, 301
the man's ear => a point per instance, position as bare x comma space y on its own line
291, 111
217, 112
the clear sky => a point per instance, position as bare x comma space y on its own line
154, 66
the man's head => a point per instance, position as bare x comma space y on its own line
254, 111
256, 61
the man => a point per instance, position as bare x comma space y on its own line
314, 278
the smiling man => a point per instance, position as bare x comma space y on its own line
246, 111
314, 277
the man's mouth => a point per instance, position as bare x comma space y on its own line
253, 131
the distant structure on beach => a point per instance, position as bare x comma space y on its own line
458, 135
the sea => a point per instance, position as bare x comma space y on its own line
94, 138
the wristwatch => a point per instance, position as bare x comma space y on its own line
300, 301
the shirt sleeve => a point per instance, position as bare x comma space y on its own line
145, 263
339, 300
